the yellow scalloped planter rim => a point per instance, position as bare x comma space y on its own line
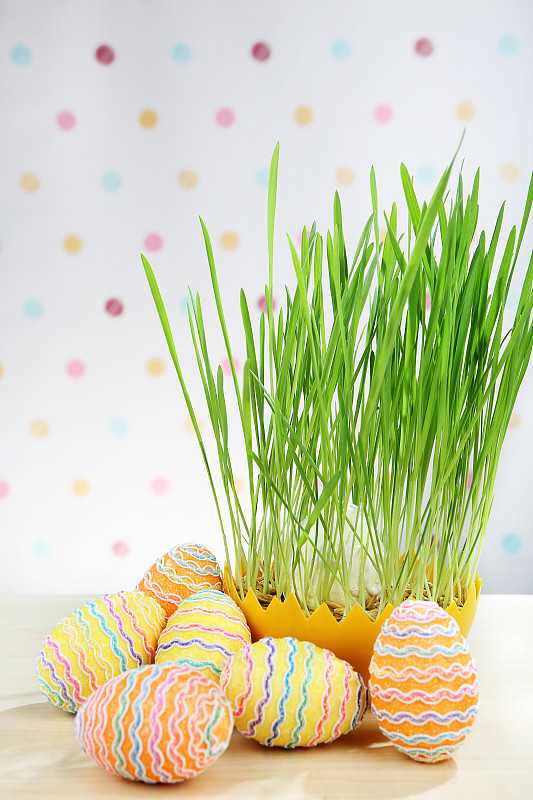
352, 639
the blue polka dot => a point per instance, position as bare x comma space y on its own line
184, 304
426, 173
261, 178
508, 44
512, 300
119, 426
111, 181
33, 309
41, 550
511, 543
181, 52
21, 55
341, 49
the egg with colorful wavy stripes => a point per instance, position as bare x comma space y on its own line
207, 628
179, 573
287, 693
159, 723
423, 682
98, 640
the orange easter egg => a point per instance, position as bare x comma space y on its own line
423, 682
179, 573
159, 723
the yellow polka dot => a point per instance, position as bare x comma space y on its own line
148, 118
29, 182
229, 240
509, 171
239, 484
187, 179
72, 244
155, 366
39, 428
189, 427
345, 176
465, 111
382, 234
303, 115
80, 487
1, 370
515, 420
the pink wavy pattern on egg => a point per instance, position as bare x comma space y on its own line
326, 698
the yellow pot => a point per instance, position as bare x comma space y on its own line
352, 639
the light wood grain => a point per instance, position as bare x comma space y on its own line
40, 757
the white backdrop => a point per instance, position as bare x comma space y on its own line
122, 121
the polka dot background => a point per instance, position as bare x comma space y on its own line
115, 139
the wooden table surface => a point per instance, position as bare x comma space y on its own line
40, 757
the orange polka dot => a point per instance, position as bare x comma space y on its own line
229, 240
1, 370
303, 115
345, 176
239, 484
72, 244
80, 487
465, 111
382, 234
155, 366
29, 182
509, 171
39, 428
187, 179
148, 118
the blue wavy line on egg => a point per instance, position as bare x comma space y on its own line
118, 729
215, 646
304, 695
427, 716
429, 753
454, 736
138, 718
291, 658
200, 664
432, 652
126, 637
271, 652
423, 633
112, 636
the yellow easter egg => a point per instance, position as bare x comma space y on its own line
182, 571
287, 693
102, 638
423, 682
206, 629
159, 724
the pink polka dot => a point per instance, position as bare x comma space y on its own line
66, 120
153, 242
262, 303
105, 54
470, 477
121, 549
225, 117
261, 51
383, 113
226, 365
4, 489
428, 300
75, 368
424, 47
160, 486
114, 307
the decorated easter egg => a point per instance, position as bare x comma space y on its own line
423, 682
206, 629
287, 693
180, 572
100, 639
159, 724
